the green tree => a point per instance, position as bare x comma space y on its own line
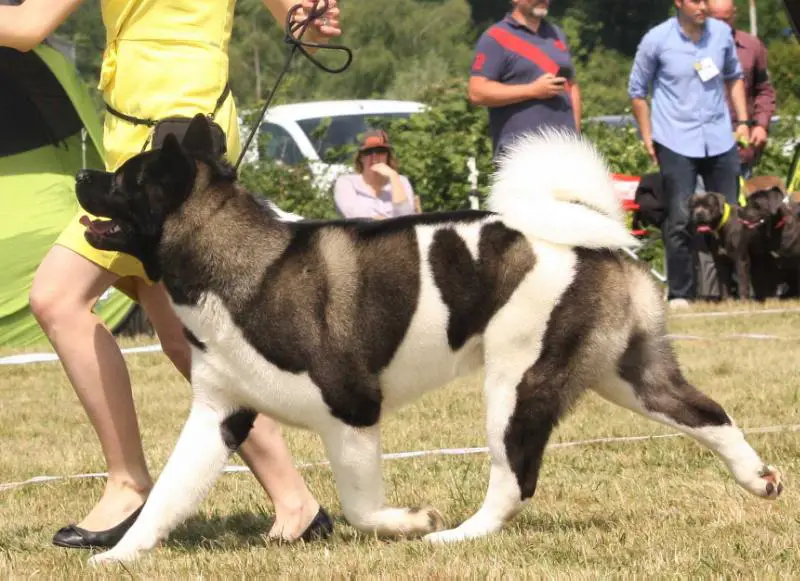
785, 74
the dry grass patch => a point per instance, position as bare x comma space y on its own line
661, 507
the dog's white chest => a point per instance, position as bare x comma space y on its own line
242, 374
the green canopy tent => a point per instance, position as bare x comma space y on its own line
49, 129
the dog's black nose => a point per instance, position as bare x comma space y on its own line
83, 177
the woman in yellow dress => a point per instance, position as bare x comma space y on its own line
163, 58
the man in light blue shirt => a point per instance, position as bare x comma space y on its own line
688, 63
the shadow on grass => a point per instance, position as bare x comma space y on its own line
548, 524
249, 529
238, 530
243, 530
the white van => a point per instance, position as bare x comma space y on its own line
313, 131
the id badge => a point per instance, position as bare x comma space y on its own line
706, 69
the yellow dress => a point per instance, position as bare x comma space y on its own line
163, 58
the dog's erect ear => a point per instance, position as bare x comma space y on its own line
197, 139
175, 170
171, 152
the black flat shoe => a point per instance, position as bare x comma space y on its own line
319, 529
74, 537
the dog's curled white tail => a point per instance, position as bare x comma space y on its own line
555, 186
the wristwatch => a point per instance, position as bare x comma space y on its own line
749, 123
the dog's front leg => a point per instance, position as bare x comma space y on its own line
355, 456
743, 278
199, 457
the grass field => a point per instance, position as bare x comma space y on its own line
654, 508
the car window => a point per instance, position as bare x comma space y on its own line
275, 143
331, 136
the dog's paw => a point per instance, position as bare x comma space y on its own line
443, 537
770, 486
422, 520
112, 556
463, 533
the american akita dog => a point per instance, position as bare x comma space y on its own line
332, 325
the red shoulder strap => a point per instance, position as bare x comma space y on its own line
515, 44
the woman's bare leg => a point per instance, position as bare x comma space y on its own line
265, 452
64, 291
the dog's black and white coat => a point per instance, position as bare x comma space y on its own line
332, 325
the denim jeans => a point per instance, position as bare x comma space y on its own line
720, 173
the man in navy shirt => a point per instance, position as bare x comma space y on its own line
522, 71
690, 62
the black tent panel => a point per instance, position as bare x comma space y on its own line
34, 108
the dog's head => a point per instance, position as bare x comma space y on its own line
765, 208
707, 211
136, 201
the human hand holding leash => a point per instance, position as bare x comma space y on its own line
325, 21
742, 134
322, 17
758, 136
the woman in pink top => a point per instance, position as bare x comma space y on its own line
377, 191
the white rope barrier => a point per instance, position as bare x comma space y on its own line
436, 452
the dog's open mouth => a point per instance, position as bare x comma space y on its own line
703, 228
102, 228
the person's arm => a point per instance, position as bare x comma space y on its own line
410, 203
641, 112
764, 98
402, 194
484, 88
347, 201
399, 194
484, 92
577, 105
734, 82
23, 27
642, 75
488, 64
736, 88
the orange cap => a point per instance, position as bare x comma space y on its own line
375, 138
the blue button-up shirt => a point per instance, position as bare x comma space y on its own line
689, 116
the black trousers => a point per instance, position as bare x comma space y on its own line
720, 174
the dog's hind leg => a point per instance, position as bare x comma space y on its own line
524, 401
648, 380
211, 433
355, 457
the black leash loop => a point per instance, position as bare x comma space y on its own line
293, 35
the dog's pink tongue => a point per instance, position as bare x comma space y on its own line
704, 228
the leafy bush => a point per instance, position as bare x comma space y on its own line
290, 187
777, 155
433, 148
